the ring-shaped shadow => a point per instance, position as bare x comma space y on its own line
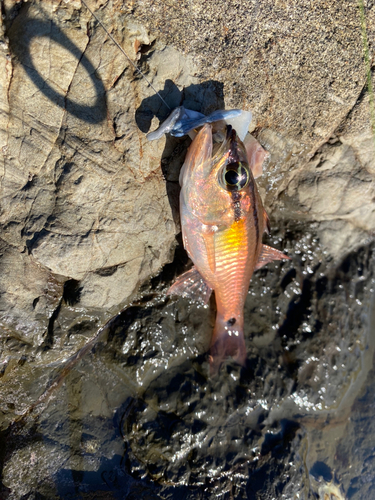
20, 42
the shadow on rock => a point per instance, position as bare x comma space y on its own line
21, 35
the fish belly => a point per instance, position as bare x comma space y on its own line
228, 265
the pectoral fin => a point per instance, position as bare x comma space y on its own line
191, 285
268, 254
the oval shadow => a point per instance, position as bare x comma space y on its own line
21, 34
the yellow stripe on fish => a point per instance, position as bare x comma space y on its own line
235, 236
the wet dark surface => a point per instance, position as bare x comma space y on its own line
139, 414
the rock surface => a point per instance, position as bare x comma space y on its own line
89, 214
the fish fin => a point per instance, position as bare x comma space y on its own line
268, 254
191, 285
266, 222
209, 243
226, 341
185, 242
255, 155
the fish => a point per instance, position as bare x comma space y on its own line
222, 220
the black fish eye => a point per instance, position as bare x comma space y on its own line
235, 176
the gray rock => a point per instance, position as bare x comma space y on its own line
337, 189
89, 216
30, 294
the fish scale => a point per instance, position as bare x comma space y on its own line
232, 268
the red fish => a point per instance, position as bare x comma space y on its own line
223, 220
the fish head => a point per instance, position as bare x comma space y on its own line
216, 178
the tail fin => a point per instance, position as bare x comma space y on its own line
227, 340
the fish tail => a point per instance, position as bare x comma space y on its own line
227, 340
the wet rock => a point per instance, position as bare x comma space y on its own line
30, 465
29, 296
309, 353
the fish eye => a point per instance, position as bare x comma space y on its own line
235, 176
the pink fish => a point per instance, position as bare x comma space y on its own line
223, 220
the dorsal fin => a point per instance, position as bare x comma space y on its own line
255, 155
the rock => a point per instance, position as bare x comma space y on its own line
298, 68
82, 192
29, 296
337, 189
89, 218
